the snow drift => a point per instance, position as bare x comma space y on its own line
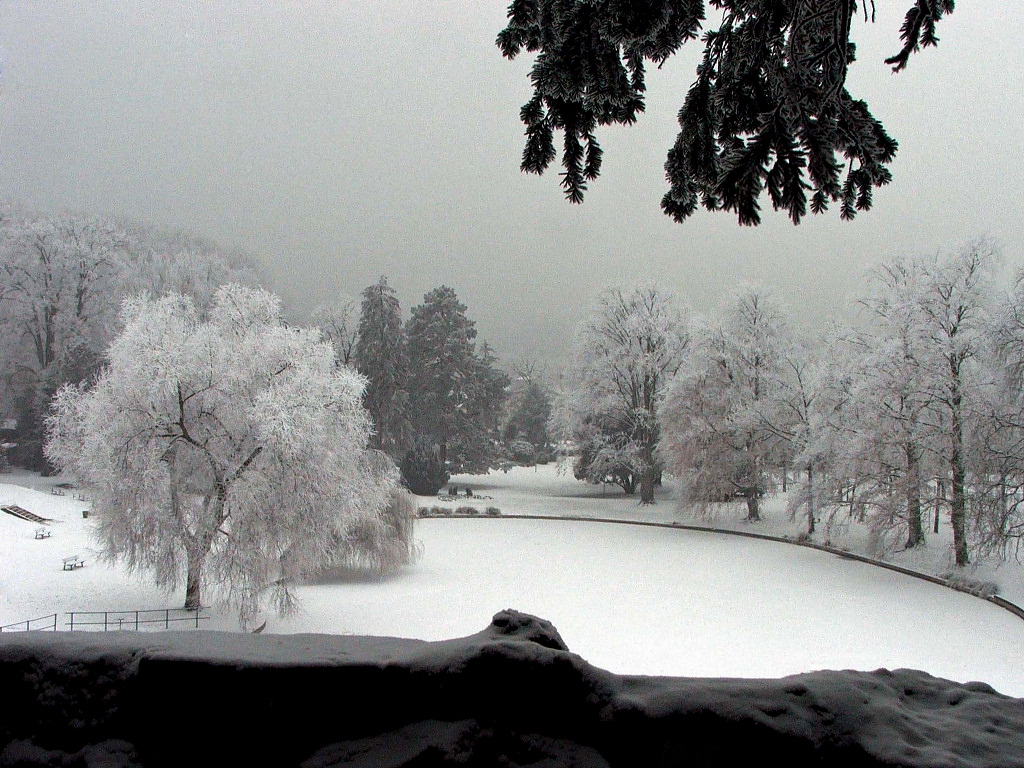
512, 695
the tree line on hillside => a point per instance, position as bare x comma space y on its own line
917, 410
64, 277
62, 280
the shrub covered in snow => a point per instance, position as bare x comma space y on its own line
521, 451
423, 472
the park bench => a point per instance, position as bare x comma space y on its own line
73, 561
43, 533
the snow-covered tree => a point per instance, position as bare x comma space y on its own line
918, 388
720, 414
894, 436
529, 407
381, 356
62, 279
456, 392
632, 344
339, 324
769, 110
54, 273
999, 522
955, 300
58, 275
798, 416
229, 452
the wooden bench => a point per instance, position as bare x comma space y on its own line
73, 561
43, 533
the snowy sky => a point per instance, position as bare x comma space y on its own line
343, 140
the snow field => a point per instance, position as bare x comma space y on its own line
629, 599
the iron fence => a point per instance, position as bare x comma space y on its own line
160, 618
27, 626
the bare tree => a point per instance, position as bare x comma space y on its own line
339, 323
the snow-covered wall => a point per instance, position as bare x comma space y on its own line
512, 691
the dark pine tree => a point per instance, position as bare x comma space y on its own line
380, 355
455, 394
769, 108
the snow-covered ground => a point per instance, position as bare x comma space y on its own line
628, 599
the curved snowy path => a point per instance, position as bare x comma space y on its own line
647, 600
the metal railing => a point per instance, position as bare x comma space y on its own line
26, 626
160, 618
109, 621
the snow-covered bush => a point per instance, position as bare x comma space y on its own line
521, 451
972, 586
423, 472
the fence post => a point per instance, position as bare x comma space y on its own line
136, 621
71, 625
104, 621
167, 618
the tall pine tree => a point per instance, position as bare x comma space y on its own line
380, 355
456, 394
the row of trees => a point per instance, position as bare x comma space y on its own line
435, 398
917, 409
224, 446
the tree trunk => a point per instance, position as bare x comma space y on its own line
940, 496
628, 483
193, 583
753, 507
915, 532
647, 487
810, 498
958, 512
647, 475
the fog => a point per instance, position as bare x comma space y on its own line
338, 141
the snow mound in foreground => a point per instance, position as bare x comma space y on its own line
509, 695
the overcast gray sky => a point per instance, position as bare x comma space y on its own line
341, 140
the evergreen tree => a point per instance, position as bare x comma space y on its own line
380, 356
457, 394
769, 108
528, 420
